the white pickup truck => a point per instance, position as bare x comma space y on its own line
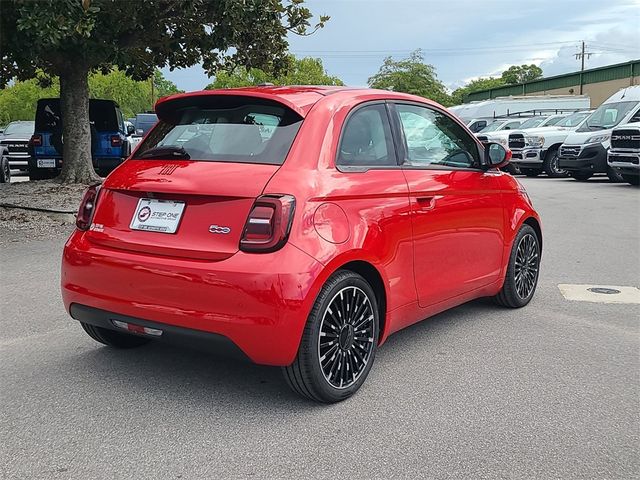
535, 150
624, 153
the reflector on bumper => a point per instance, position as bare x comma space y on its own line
137, 328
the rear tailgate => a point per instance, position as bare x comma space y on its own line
217, 199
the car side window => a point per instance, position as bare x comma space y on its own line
366, 139
635, 118
435, 139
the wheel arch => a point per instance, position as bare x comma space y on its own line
535, 224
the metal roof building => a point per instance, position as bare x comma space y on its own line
598, 83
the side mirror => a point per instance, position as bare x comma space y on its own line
130, 130
139, 132
495, 155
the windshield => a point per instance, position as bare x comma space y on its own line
492, 127
244, 133
19, 128
532, 122
553, 121
607, 115
573, 120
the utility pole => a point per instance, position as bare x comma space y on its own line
153, 91
581, 56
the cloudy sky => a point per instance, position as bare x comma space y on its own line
462, 39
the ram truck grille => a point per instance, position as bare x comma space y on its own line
626, 139
570, 150
516, 140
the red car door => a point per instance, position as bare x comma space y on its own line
456, 208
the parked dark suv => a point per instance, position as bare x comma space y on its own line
109, 146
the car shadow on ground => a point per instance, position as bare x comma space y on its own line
165, 372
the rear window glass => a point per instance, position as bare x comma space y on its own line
225, 130
103, 115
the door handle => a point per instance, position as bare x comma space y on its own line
427, 203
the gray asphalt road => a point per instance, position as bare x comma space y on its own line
549, 391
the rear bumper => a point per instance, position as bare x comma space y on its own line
260, 302
592, 158
170, 334
107, 163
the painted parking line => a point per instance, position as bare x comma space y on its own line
600, 293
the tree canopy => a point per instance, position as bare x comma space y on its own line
303, 71
521, 74
71, 38
513, 75
411, 75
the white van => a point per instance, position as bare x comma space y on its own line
477, 115
584, 152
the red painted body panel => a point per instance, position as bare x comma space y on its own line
437, 238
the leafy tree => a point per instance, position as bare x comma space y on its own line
71, 38
303, 71
410, 75
459, 94
18, 101
521, 74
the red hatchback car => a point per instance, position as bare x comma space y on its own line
300, 225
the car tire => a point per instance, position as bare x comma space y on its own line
511, 169
113, 338
614, 177
530, 172
5, 171
631, 179
581, 176
523, 270
550, 165
350, 335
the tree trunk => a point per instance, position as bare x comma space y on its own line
77, 166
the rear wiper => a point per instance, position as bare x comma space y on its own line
165, 152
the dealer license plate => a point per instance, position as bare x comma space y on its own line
155, 215
46, 163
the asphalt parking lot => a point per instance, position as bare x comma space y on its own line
548, 391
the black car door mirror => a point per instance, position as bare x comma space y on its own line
496, 156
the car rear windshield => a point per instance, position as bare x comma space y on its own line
103, 115
224, 129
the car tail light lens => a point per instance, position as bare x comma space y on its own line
87, 207
36, 140
269, 223
116, 141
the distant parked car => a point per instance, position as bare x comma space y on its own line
624, 154
109, 145
300, 225
505, 124
14, 142
144, 122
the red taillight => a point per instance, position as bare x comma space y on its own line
87, 206
269, 223
36, 140
116, 141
